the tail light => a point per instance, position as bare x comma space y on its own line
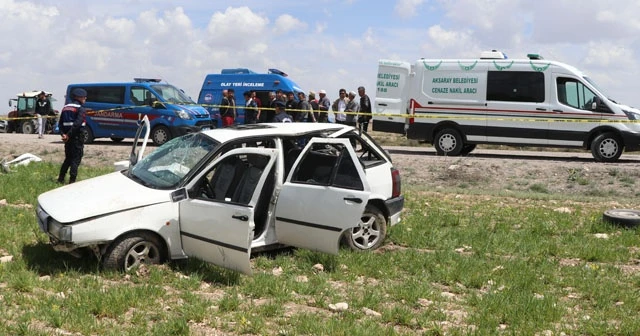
412, 112
396, 188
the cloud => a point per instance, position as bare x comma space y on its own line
286, 23
407, 8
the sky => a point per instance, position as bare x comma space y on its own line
320, 44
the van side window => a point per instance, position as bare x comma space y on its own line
573, 93
105, 94
515, 86
141, 96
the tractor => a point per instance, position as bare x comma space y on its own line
23, 120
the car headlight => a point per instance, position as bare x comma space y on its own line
182, 114
60, 231
632, 115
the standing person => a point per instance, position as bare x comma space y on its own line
365, 109
305, 111
323, 106
43, 110
255, 98
281, 114
251, 109
271, 112
292, 105
352, 109
228, 109
280, 96
314, 106
339, 105
71, 124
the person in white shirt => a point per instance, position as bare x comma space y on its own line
339, 105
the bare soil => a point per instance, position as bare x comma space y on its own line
487, 171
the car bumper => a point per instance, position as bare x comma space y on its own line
395, 206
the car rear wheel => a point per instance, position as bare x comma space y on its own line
370, 232
129, 252
160, 135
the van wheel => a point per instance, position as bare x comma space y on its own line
116, 139
131, 251
448, 142
466, 149
370, 232
160, 135
87, 135
606, 147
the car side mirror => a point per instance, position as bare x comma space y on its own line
596, 102
157, 104
179, 195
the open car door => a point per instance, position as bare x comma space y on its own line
136, 155
217, 220
324, 195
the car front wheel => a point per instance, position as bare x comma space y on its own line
160, 135
370, 232
131, 251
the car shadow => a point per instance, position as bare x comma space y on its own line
42, 259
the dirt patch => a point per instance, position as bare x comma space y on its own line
502, 171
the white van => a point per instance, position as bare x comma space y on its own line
458, 103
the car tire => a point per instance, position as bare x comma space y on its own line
28, 127
466, 149
129, 252
116, 139
370, 233
448, 142
623, 217
606, 147
160, 135
87, 135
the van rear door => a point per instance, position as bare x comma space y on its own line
392, 96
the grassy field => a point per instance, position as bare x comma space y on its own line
458, 264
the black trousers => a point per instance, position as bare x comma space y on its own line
73, 152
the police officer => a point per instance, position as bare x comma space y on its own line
71, 124
281, 115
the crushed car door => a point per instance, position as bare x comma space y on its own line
325, 194
218, 218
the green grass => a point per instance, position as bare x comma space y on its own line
458, 264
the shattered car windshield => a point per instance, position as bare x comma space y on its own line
169, 164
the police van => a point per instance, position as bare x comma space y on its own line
242, 80
114, 110
458, 103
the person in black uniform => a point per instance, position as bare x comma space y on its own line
71, 124
281, 115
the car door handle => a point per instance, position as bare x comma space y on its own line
243, 218
540, 109
353, 199
382, 104
557, 111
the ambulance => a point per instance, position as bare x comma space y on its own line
456, 104
242, 80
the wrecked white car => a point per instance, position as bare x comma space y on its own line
218, 195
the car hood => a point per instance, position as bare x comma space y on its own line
196, 110
98, 196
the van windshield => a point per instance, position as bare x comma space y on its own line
169, 164
598, 88
171, 94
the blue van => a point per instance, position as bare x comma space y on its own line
114, 110
241, 80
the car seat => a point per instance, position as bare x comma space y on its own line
250, 178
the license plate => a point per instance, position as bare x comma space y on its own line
206, 128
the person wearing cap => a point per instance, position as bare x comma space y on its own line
71, 124
323, 106
281, 114
365, 110
352, 109
43, 109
